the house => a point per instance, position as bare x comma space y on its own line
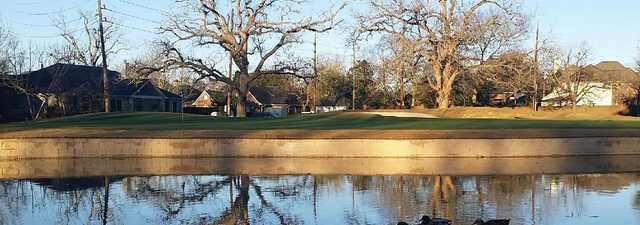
506, 97
609, 84
137, 96
207, 102
271, 102
209, 99
65, 89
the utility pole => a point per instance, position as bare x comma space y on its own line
353, 77
229, 88
315, 71
105, 212
105, 77
535, 73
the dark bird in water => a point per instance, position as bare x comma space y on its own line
491, 222
426, 220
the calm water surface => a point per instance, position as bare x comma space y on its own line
256, 199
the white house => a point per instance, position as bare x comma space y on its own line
609, 85
596, 94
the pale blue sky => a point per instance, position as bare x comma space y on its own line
611, 28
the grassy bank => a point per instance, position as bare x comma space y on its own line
173, 121
567, 113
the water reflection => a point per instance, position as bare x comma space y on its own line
244, 199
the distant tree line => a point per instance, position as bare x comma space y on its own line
434, 54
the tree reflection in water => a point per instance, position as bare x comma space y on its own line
443, 188
546, 199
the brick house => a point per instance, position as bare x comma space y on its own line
66, 89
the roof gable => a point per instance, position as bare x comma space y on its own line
214, 97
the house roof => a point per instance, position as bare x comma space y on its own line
606, 71
59, 78
126, 87
269, 96
612, 71
169, 94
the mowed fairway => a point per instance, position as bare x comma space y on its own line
335, 121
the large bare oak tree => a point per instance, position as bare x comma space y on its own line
248, 30
441, 31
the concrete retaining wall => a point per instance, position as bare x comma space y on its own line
88, 167
31, 148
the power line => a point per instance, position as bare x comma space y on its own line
50, 12
133, 16
144, 6
53, 12
41, 25
41, 36
31, 25
130, 27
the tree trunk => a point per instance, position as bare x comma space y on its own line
240, 106
637, 106
242, 86
30, 106
413, 99
443, 98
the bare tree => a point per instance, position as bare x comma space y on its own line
302, 82
497, 38
440, 31
513, 71
7, 42
402, 64
83, 43
334, 84
573, 80
16, 59
243, 28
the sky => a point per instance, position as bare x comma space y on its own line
610, 28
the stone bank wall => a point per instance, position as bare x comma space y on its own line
53, 148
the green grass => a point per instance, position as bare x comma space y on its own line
172, 121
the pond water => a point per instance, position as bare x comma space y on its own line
612, 198
554, 190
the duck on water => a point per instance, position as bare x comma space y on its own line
426, 220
